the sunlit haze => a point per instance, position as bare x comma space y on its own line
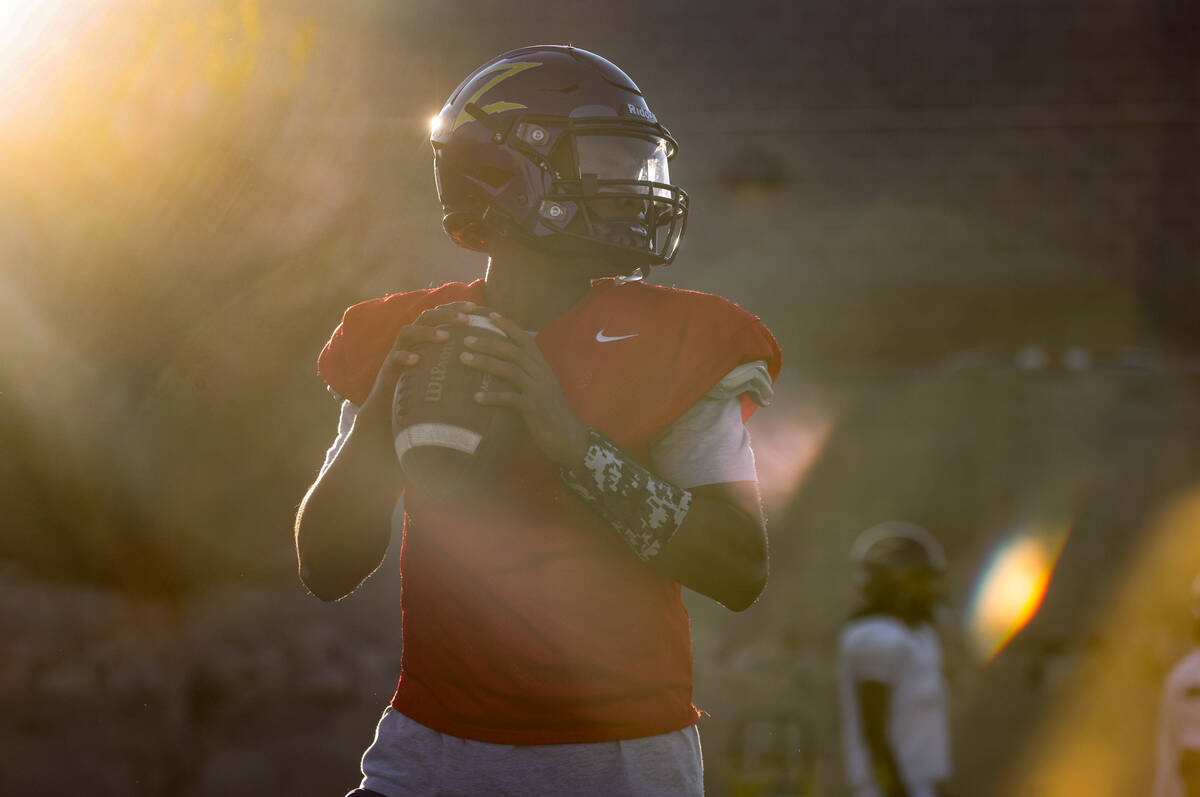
1100, 724
969, 227
35, 38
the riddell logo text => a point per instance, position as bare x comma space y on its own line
641, 113
437, 375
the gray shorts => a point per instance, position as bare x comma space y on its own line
408, 758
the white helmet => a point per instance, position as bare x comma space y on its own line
893, 546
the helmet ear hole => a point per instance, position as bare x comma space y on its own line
466, 230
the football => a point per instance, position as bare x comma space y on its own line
449, 445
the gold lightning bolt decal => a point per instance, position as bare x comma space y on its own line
495, 107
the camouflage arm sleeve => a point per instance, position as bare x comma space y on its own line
644, 509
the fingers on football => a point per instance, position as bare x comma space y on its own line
396, 359
458, 307
501, 350
454, 313
510, 372
401, 358
515, 333
503, 399
415, 334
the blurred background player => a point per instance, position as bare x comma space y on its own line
891, 679
1177, 773
546, 648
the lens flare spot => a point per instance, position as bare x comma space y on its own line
1011, 589
788, 441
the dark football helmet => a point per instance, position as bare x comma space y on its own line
898, 564
557, 145
897, 545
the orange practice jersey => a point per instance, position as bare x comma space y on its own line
526, 619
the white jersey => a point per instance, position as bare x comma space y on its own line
908, 659
1179, 727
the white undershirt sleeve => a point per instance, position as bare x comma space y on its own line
345, 423
709, 444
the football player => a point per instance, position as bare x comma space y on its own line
546, 648
892, 688
1177, 772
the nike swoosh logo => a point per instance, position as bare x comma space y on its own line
602, 338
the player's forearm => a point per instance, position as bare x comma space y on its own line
719, 550
344, 522
710, 539
874, 701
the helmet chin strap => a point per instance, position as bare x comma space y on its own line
639, 274
500, 225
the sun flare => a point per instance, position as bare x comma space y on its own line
1012, 587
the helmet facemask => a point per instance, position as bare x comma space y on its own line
609, 188
593, 188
